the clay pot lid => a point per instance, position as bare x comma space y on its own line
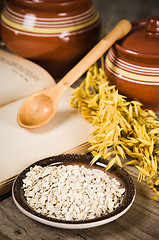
143, 40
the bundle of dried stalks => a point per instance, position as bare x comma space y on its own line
121, 124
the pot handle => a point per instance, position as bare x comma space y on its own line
152, 25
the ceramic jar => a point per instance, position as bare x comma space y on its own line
54, 33
132, 64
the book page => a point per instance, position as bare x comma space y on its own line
20, 147
20, 77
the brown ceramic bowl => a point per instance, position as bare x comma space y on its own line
54, 33
132, 64
75, 159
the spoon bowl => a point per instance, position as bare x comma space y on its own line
36, 110
40, 107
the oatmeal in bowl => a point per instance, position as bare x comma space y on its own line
66, 191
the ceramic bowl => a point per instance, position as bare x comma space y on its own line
56, 34
132, 64
75, 159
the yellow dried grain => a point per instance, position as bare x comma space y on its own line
118, 161
132, 162
152, 113
157, 194
121, 152
95, 158
142, 170
106, 155
154, 131
127, 150
151, 185
157, 182
155, 197
133, 140
130, 112
147, 160
154, 164
151, 148
136, 131
145, 142
111, 163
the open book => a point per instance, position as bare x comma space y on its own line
19, 147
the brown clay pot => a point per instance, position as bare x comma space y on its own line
54, 33
132, 64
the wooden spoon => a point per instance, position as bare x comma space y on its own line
40, 107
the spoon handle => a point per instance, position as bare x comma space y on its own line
118, 32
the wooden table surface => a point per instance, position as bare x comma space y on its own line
140, 222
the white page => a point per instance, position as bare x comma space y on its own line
20, 77
20, 147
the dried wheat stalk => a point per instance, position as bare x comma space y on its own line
122, 124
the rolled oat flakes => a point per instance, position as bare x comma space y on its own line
71, 192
